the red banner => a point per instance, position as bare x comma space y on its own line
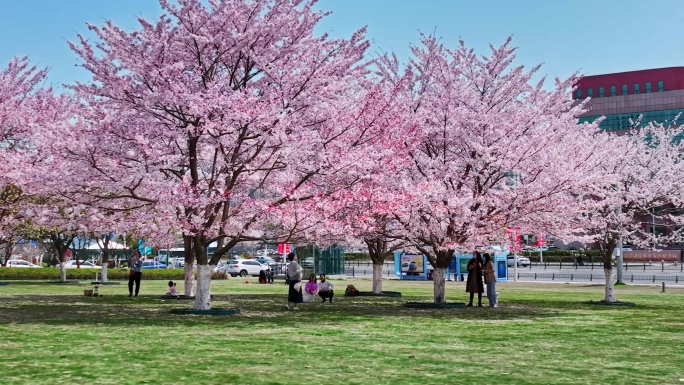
283, 248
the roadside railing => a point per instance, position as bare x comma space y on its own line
600, 277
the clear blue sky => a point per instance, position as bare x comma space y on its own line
587, 35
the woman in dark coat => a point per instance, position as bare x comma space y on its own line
474, 283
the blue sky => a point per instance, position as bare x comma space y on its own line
590, 36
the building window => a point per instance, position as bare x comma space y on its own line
590, 92
612, 90
660, 86
579, 93
648, 87
636, 88
624, 89
601, 92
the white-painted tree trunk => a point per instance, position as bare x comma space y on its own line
103, 275
203, 293
438, 283
189, 271
377, 279
610, 287
62, 272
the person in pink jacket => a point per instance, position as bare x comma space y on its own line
311, 286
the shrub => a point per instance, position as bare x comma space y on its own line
52, 273
566, 256
356, 256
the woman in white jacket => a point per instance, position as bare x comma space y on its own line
294, 276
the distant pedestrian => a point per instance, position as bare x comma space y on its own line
325, 289
490, 280
262, 277
270, 274
294, 277
135, 266
474, 283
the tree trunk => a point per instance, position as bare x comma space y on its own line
377, 278
608, 270
610, 288
189, 272
105, 259
438, 283
203, 296
62, 272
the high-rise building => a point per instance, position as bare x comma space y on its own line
625, 97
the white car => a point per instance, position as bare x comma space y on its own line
21, 263
244, 267
83, 264
522, 261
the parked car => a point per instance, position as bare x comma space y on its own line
265, 253
522, 261
265, 260
177, 262
83, 265
244, 267
21, 263
153, 265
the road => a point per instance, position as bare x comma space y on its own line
633, 272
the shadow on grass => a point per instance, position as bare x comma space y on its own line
256, 310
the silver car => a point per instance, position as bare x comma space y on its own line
522, 261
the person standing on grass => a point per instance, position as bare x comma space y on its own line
490, 280
294, 276
474, 283
135, 266
325, 289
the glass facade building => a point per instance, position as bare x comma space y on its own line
635, 99
626, 121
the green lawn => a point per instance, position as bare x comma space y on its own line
541, 334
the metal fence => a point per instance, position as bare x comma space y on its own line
601, 277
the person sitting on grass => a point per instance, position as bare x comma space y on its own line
173, 292
310, 289
325, 289
262, 277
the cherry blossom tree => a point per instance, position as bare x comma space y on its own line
26, 109
494, 150
19, 89
643, 184
225, 115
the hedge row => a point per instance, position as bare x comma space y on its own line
563, 253
356, 256
52, 273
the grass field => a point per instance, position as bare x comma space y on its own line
541, 334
